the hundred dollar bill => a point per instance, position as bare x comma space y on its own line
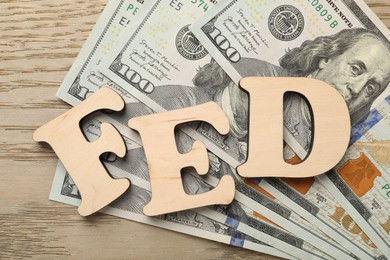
130, 206
305, 38
235, 215
83, 78
163, 65
362, 178
309, 198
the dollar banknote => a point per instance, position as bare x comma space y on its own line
363, 177
163, 65
276, 39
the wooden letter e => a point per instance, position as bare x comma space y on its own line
80, 157
165, 162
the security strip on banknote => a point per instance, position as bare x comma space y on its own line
273, 41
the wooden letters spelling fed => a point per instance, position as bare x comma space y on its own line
265, 155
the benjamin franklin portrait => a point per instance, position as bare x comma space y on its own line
356, 62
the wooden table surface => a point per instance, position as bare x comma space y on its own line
39, 41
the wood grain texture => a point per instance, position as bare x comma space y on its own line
165, 165
39, 41
331, 127
80, 157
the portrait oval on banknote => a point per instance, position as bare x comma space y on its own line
188, 45
286, 23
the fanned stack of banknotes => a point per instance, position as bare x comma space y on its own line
162, 55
